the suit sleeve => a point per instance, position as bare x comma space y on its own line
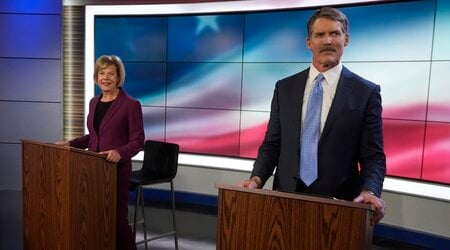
372, 158
269, 150
83, 141
135, 132
80, 142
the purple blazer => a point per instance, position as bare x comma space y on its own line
121, 129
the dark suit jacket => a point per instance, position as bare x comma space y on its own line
121, 129
351, 155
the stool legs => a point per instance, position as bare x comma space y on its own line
143, 216
136, 205
173, 216
140, 203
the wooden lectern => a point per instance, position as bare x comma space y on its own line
263, 219
69, 198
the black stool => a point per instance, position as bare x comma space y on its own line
159, 166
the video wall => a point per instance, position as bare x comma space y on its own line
205, 81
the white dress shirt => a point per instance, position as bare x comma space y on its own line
329, 85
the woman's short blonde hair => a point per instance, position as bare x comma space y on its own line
105, 61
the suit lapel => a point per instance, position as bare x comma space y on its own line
112, 110
343, 91
92, 108
299, 91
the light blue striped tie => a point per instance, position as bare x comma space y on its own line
310, 134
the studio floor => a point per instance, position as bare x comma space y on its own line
197, 229
196, 226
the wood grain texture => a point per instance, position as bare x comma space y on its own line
266, 220
69, 198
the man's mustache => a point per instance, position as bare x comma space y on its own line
328, 48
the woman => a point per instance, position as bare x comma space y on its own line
116, 130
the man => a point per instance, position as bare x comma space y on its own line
347, 159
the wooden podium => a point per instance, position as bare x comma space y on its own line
69, 198
263, 219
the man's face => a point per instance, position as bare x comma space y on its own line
326, 42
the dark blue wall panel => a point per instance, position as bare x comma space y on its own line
30, 80
11, 174
30, 83
31, 6
37, 121
30, 36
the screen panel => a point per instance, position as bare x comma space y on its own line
199, 84
404, 86
206, 38
259, 80
439, 97
390, 32
441, 50
208, 131
140, 39
253, 127
437, 152
403, 144
276, 37
213, 77
146, 81
154, 122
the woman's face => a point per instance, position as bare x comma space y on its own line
107, 79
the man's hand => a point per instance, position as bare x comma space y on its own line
112, 155
370, 198
254, 182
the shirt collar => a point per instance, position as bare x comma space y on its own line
331, 76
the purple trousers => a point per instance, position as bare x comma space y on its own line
124, 234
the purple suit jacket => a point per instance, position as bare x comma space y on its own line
121, 129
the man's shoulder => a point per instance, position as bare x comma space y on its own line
348, 75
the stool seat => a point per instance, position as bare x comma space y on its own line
139, 179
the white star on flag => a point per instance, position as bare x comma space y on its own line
205, 22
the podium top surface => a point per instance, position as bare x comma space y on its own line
52, 145
297, 196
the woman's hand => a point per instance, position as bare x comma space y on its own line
62, 143
254, 182
112, 155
